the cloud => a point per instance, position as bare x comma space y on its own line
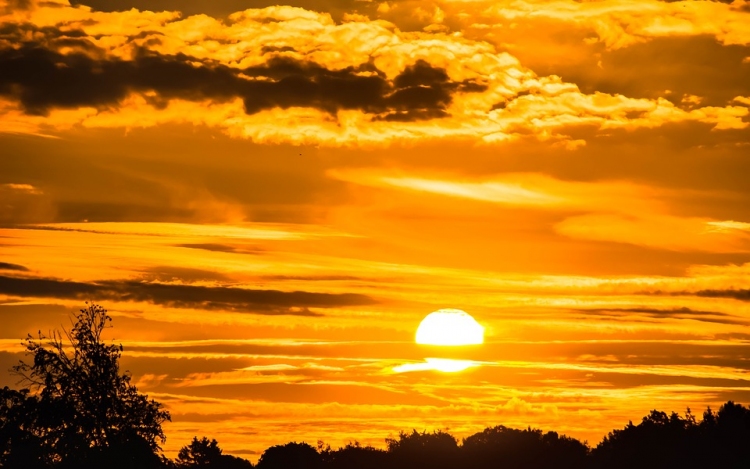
523, 189
168, 274
11, 5
615, 211
269, 302
7, 266
619, 24
217, 247
25, 188
616, 23
688, 73
255, 231
222, 8
289, 75
673, 313
735, 294
42, 79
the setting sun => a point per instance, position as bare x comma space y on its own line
449, 327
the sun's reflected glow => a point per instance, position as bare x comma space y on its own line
445, 365
449, 327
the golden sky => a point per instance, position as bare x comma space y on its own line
270, 198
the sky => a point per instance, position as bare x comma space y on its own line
269, 199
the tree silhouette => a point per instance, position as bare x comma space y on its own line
199, 453
19, 444
355, 456
434, 450
290, 456
664, 441
660, 440
728, 435
83, 410
205, 453
512, 448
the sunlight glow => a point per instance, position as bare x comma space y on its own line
449, 327
499, 192
445, 365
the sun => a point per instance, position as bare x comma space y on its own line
449, 327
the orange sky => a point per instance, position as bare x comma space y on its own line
269, 199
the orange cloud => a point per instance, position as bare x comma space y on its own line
622, 23
476, 93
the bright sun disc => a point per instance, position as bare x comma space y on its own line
449, 327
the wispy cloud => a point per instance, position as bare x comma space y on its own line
9, 266
271, 302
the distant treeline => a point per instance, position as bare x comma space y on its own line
660, 441
80, 412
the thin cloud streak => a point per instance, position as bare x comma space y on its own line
271, 302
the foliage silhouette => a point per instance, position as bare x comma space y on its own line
82, 410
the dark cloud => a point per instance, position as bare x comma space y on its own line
738, 294
222, 8
7, 266
423, 92
673, 313
740, 336
17, 5
655, 311
92, 211
270, 302
42, 78
216, 247
692, 65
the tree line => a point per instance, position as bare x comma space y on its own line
79, 411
